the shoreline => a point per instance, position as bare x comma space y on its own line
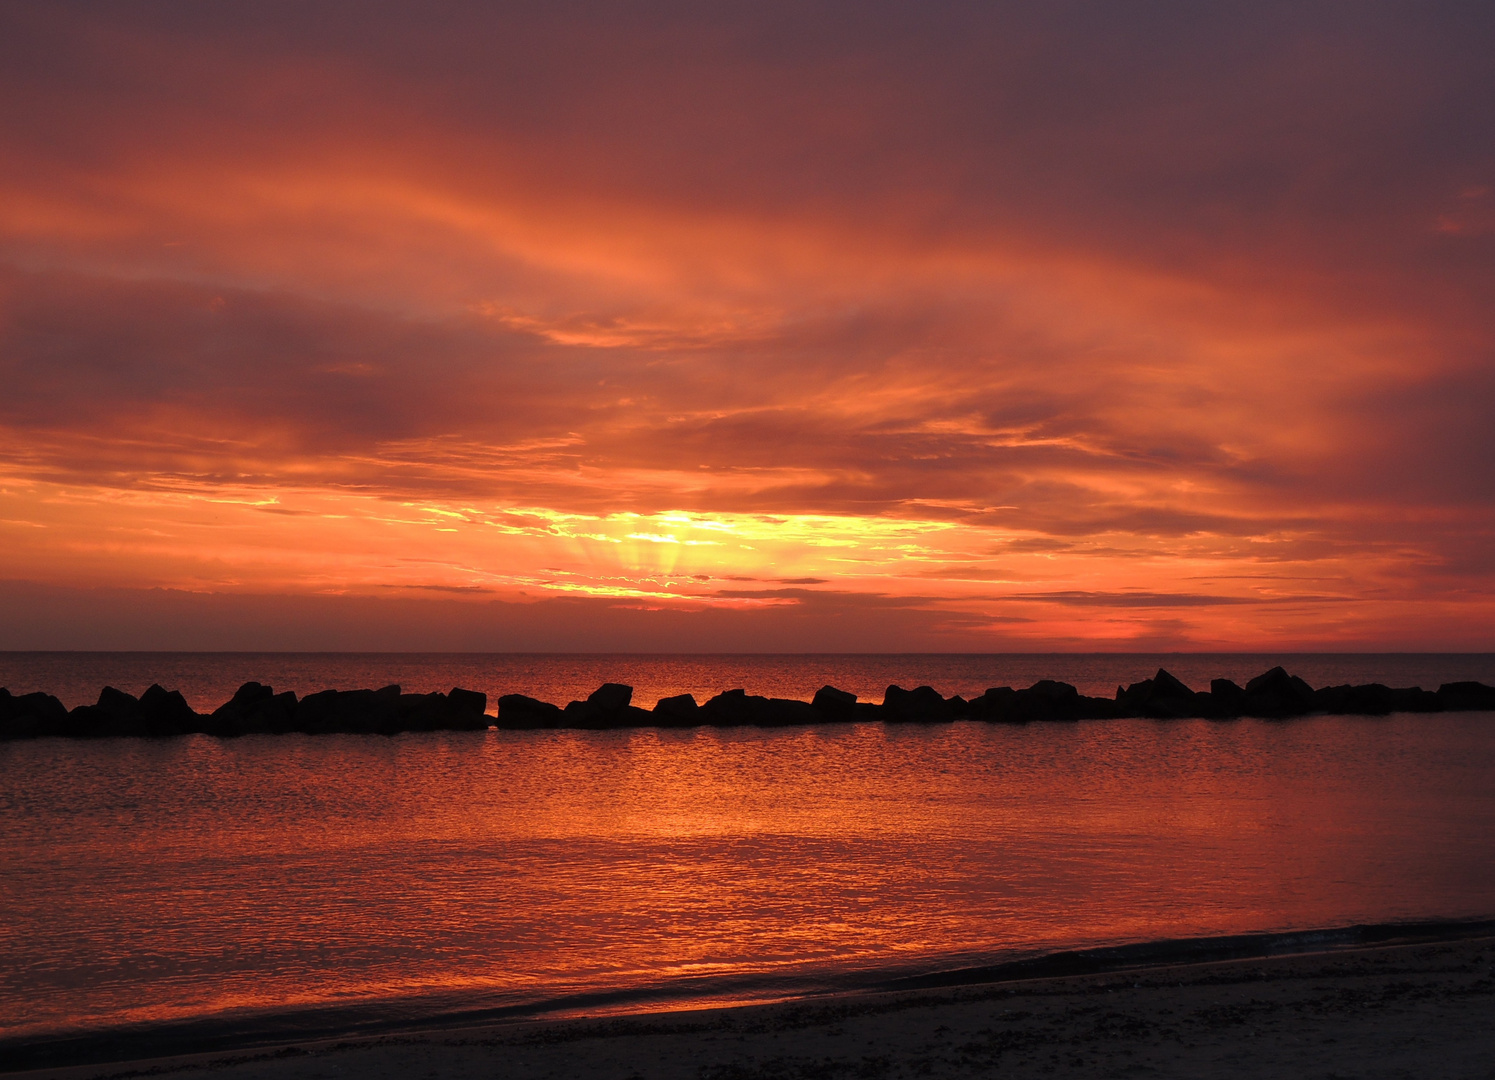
188, 1045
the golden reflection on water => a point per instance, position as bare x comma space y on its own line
158, 880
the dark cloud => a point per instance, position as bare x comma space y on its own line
112, 619
1135, 599
1102, 284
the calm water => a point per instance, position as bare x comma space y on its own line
150, 881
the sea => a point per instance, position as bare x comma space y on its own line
315, 884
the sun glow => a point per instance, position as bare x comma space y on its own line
654, 341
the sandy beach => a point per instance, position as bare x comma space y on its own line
1393, 1011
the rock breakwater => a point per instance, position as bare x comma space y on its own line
257, 709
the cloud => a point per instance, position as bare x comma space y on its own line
1095, 301
1143, 599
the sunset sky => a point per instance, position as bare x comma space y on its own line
862, 326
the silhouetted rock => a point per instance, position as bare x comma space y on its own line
356, 712
921, 705
1162, 697
731, 708
31, 716
468, 703
1168, 686
166, 712
1228, 699
1415, 699
784, 712
611, 697
734, 708
1467, 696
1048, 699
1371, 699
246, 698
588, 716
116, 714
1277, 694
1375, 699
606, 707
1132, 696
678, 711
835, 704
460, 710
520, 712
254, 709
994, 706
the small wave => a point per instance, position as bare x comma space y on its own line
243, 1031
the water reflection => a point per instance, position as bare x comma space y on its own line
149, 880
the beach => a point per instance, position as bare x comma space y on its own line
1396, 1010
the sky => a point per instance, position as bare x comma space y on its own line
747, 327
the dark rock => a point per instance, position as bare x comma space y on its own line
730, 708
1467, 696
519, 712
632, 716
611, 697
1167, 685
922, 705
30, 716
1051, 700
737, 708
994, 706
319, 712
468, 703
1046, 700
606, 707
280, 713
1331, 699
357, 712
678, 711
589, 716
1093, 708
118, 703
1276, 694
166, 712
116, 714
1416, 700
1375, 699
461, 710
786, 712
1162, 697
420, 712
1372, 699
249, 696
254, 710
835, 704
1227, 699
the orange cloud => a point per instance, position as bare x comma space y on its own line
952, 319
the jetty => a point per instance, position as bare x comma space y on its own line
256, 709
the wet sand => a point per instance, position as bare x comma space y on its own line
1391, 1011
